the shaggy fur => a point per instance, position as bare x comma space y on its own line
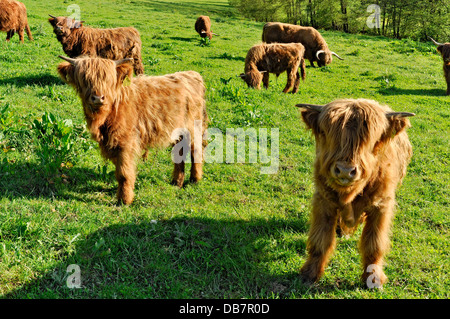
311, 39
203, 27
444, 50
13, 18
263, 59
126, 114
115, 44
362, 151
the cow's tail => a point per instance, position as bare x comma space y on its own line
28, 31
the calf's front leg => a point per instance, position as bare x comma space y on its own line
321, 239
375, 241
126, 176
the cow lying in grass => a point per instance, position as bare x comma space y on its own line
126, 114
13, 18
115, 44
362, 151
277, 58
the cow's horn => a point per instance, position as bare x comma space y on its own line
214, 33
242, 75
52, 16
335, 54
262, 71
399, 114
70, 60
319, 52
119, 62
313, 107
435, 42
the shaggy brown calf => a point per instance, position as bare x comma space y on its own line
203, 27
362, 151
13, 18
126, 115
115, 44
444, 50
316, 48
264, 58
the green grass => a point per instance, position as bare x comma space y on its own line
239, 233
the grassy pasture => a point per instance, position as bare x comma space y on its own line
239, 233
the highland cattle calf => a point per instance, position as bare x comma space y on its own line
13, 18
444, 50
316, 48
277, 58
203, 27
126, 114
362, 151
115, 44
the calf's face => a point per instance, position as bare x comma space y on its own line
253, 78
96, 80
349, 137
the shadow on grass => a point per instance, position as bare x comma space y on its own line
183, 39
39, 80
226, 56
182, 257
422, 92
31, 180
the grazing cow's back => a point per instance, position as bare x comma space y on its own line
13, 18
115, 44
362, 151
276, 58
127, 116
316, 48
203, 27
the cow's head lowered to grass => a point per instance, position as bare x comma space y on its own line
362, 151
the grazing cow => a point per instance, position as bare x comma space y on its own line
362, 151
203, 27
126, 114
13, 18
316, 49
115, 44
264, 58
444, 50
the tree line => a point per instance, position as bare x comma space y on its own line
415, 19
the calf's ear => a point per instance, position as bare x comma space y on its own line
398, 121
65, 71
124, 71
310, 115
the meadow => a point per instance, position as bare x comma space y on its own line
238, 233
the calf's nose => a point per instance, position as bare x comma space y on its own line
97, 99
347, 171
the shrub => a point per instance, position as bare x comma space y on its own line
57, 142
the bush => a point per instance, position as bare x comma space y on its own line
57, 142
